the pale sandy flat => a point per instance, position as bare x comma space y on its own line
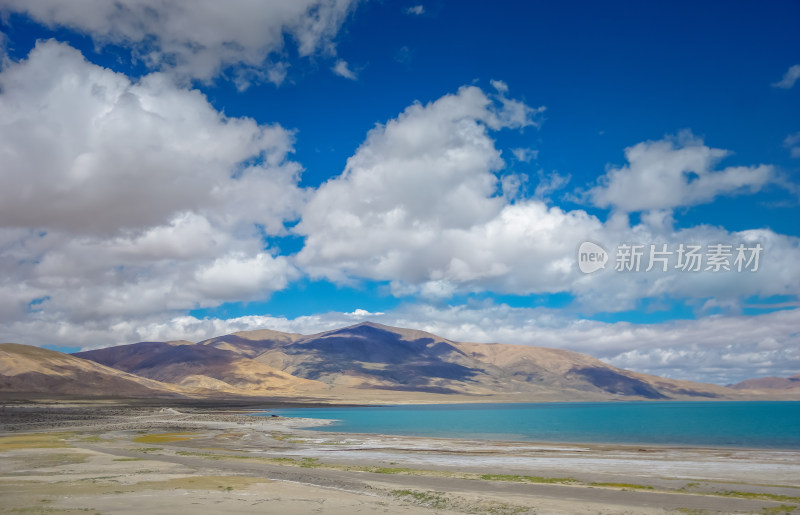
176, 460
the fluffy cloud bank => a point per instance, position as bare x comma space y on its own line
79, 140
420, 205
122, 198
148, 199
202, 38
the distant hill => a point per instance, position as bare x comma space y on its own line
378, 357
358, 364
204, 366
769, 383
373, 362
28, 369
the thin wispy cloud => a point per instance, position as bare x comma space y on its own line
342, 69
792, 142
525, 155
789, 78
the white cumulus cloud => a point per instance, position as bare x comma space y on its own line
414, 188
120, 199
137, 152
674, 172
420, 205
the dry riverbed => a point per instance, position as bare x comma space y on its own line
113, 458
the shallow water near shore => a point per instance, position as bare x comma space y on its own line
759, 424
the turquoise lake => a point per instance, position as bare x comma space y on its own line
737, 424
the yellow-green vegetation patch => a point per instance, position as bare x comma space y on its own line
384, 470
429, 499
226, 483
94, 439
528, 479
287, 437
35, 441
164, 437
231, 435
127, 459
310, 463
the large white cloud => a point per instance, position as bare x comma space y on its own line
413, 189
419, 205
674, 172
78, 140
202, 38
121, 199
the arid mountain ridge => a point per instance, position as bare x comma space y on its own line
363, 363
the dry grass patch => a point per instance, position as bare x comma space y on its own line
165, 437
35, 441
42, 461
226, 483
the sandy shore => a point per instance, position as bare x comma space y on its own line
111, 458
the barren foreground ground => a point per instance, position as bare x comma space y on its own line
113, 458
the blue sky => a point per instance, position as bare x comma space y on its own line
180, 174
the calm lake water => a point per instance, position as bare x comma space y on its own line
737, 424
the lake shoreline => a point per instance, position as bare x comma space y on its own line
692, 425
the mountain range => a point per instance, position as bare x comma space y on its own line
363, 363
